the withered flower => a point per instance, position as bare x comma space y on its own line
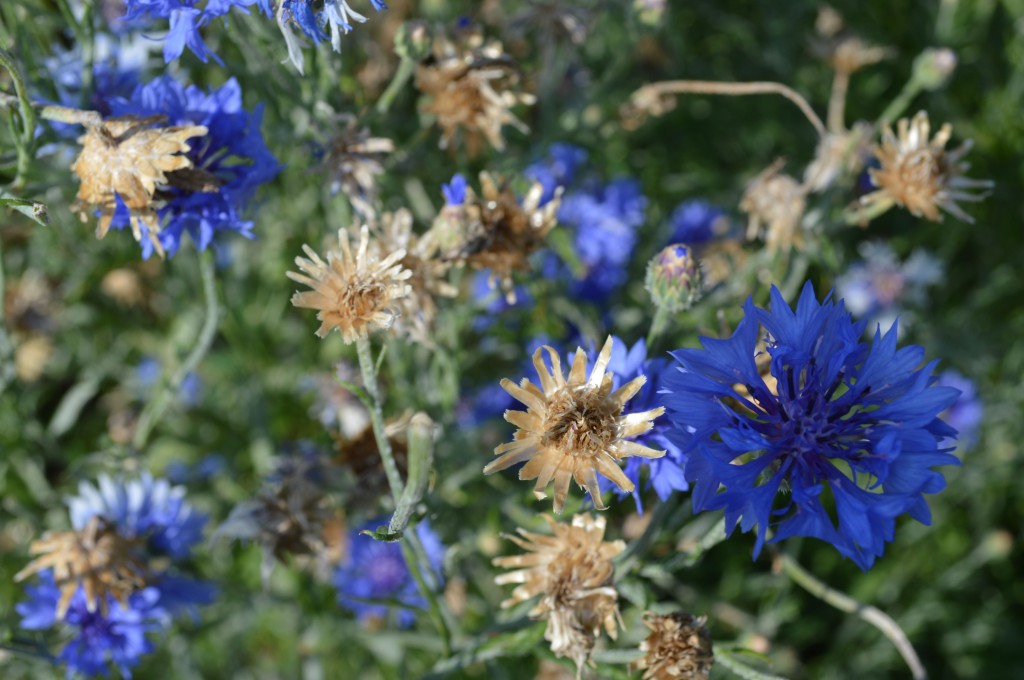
774, 203
353, 162
572, 571
427, 283
96, 558
355, 293
361, 456
127, 157
917, 173
574, 428
469, 86
678, 648
499, 233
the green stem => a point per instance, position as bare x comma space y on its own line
417, 560
406, 68
28, 117
369, 371
7, 369
844, 603
157, 406
659, 324
900, 104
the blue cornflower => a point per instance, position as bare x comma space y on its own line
186, 18
558, 169
230, 162
849, 423
455, 191
374, 570
114, 637
146, 508
337, 16
664, 474
695, 222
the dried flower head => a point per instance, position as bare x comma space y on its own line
469, 85
127, 158
361, 456
355, 293
97, 558
678, 648
917, 173
427, 283
774, 203
353, 162
574, 428
572, 571
838, 154
499, 233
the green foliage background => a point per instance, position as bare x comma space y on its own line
954, 586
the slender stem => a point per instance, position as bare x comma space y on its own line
843, 602
28, 117
837, 102
369, 371
898, 105
659, 323
157, 406
7, 368
406, 68
417, 561
647, 92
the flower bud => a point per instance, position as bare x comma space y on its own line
933, 67
412, 41
674, 279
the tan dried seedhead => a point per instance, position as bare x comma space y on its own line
357, 293
574, 427
677, 648
353, 162
775, 204
96, 558
131, 158
470, 87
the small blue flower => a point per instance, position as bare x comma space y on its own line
455, 191
232, 155
141, 508
312, 18
185, 18
664, 474
966, 414
852, 424
558, 169
374, 570
148, 372
694, 222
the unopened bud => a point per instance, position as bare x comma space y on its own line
674, 279
650, 12
412, 41
933, 67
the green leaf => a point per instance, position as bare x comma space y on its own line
732, 662
34, 210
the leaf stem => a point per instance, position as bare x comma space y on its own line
843, 602
369, 370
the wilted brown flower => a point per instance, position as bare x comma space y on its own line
917, 173
361, 455
774, 203
353, 162
574, 429
95, 557
357, 294
469, 86
572, 572
128, 157
499, 233
678, 648
427, 283
838, 154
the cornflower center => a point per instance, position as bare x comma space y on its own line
582, 421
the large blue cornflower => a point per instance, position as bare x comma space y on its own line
186, 18
665, 474
146, 508
375, 571
230, 161
846, 424
114, 638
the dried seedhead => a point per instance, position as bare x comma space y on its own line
97, 558
353, 162
127, 157
775, 203
470, 86
678, 648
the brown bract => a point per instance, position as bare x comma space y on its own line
774, 203
128, 157
574, 427
678, 648
499, 233
469, 86
572, 572
918, 173
353, 162
357, 293
96, 558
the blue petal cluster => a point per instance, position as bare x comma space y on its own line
146, 509
665, 474
374, 571
233, 152
186, 18
694, 222
316, 20
849, 425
